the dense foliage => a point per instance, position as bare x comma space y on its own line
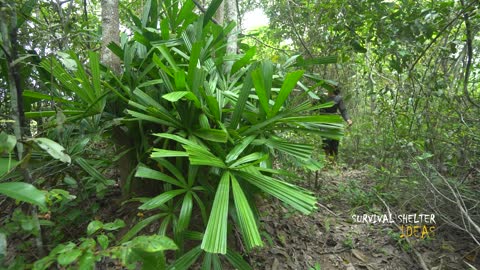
164, 162
410, 73
204, 135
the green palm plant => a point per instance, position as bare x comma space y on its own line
210, 136
214, 132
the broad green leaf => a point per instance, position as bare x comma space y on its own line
248, 224
211, 262
115, 225
288, 85
152, 243
94, 226
161, 199
103, 241
86, 261
43, 263
54, 149
215, 238
69, 256
24, 192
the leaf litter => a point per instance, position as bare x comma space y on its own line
329, 238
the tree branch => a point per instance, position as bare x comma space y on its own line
437, 37
203, 10
266, 45
468, 29
296, 31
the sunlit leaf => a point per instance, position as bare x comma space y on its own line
248, 225
53, 148
161, 199
152, 243
215, 238
24, 192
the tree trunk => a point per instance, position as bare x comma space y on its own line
110, 33
220, 15
232, 15
9, 32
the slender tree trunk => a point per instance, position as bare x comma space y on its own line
220, 15
110, 33
9, 31
232, 15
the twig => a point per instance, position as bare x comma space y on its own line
296, 32
328, 210
266, 45
437, 37
468, 33
203, 10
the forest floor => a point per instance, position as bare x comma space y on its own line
330, 239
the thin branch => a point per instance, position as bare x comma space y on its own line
203, 10
468, 29
266, 45
437, 37
296, 32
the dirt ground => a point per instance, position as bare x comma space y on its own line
330, 239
